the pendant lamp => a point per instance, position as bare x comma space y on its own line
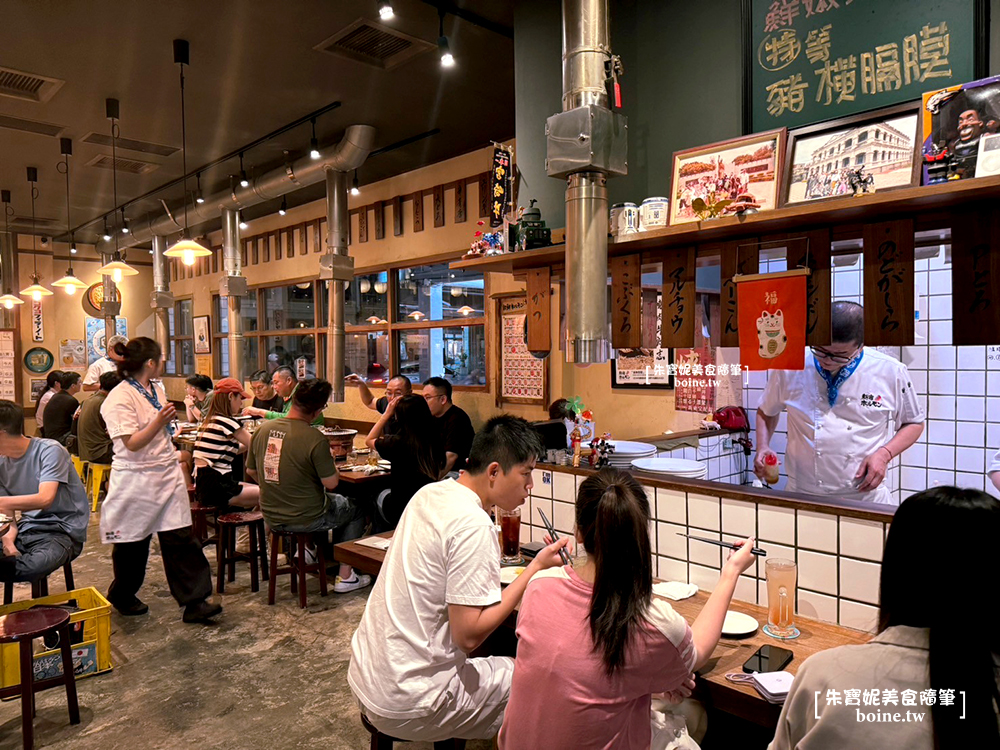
68, 283
35, 290
186, 249
117, 269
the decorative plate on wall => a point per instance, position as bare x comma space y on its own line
39, 359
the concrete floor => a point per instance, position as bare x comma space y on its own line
263, 677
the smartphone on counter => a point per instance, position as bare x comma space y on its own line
768, 659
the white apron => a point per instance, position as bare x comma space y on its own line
147, 491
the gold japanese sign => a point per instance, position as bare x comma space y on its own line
814, 60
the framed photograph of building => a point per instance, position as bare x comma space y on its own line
740, 168
873, 151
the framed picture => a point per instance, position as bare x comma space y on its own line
876, 151
748, 167
959, 131
648, 367
202, 335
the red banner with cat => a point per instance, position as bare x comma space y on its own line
772, 323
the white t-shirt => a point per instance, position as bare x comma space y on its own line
444, 551
94, 372
42, 403
826, 445
126, 411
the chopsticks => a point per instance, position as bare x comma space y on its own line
730, 545
554, 537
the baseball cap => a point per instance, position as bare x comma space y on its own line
231, 385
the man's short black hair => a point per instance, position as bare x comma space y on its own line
442, 385
506, 439
847, 323
11, 418
261, 376
286, 370
201, 382
408, 387
312, 395
68, 379
109, 380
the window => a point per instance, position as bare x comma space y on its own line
289, 307
862, 137
297, 352
457, 353
859, 159
220, 331
367, 354
180, 359
364, 303
438, 293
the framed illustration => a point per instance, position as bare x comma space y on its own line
522, 377
959, 131
876, 150
740, 168
649, 366
202, 335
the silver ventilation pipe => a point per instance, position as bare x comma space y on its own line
110, 306
162, 300
336, 267
586, 143
234, 286
346, 156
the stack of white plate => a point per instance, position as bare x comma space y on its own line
626, 452
678, 467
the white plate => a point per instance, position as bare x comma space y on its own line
507, 575
628, 448
737, 623
678, 466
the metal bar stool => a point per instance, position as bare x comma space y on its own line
21, 628
98, 473
297, 567
225, 547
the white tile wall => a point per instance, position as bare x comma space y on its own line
859, 580
817, 531
776, 524
818, 571
703, 511
860, 538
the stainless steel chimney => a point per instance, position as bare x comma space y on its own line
586, 143
162, 300
234, 287
336, 267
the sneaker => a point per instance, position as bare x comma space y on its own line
310, 556
203, 611
353, 583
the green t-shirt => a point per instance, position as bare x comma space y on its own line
290, 458
288, 407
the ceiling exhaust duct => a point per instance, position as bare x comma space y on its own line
347, 155
586, 143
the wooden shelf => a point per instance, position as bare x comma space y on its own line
924, 203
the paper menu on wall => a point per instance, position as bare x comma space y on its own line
7, 367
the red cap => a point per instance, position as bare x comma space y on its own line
231, 385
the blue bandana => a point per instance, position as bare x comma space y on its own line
833, 383
151, 398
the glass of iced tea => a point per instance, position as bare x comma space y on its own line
510, 536
781, 576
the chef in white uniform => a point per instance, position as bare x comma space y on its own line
850, 412
147, 491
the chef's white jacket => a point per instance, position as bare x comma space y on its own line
826, 445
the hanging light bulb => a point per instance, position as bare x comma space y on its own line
34, 290
416, 315
380, 287
364, 286
69, 283
456, 291
243, 224
373, 320
244, 182
385, 11
284, 206
117, 269
198, 197
313, 143
107, 234
8, 300
124, 222
465, 310
355, 190
444, 49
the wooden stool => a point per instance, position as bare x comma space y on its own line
297, 567
21, 627
200, 515
40, 587
98, 473
385, 742
225, 547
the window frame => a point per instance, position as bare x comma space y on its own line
176, 341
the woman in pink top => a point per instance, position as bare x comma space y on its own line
594, 645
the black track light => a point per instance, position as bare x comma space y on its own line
244, 182
198, 197
107, 234
124, 222
385, 11
313, 143
355, 188
444, 49
284, 206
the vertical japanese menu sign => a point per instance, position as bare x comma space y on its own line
814, 60
522, 376
8, 390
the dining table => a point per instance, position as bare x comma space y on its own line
712, 687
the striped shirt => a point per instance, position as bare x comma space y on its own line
216, 445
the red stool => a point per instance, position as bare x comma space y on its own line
225, 548
21, 627
385, 742
297, 567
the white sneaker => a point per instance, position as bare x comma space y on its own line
353, 583
310, 556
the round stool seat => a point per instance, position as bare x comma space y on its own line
249, 516
372, 730
31, 623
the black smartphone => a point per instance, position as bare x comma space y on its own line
768, 659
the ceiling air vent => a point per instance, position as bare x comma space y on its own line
374, 44
101, 139
30, 126
24, 224
131, 166
27, 86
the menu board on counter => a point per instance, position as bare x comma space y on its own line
9, 374
523, 378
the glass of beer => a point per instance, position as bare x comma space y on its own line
781, 576
510, 536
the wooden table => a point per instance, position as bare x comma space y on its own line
369, 481
713, 689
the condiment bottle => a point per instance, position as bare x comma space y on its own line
770, 468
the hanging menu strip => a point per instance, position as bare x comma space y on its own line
7, 366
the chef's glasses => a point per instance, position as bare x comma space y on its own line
822, 353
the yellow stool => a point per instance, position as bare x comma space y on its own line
81, 467
98, 472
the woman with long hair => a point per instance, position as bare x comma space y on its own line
53, 384
411, 449
936, 602
220, 439
594, 645
147, 491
